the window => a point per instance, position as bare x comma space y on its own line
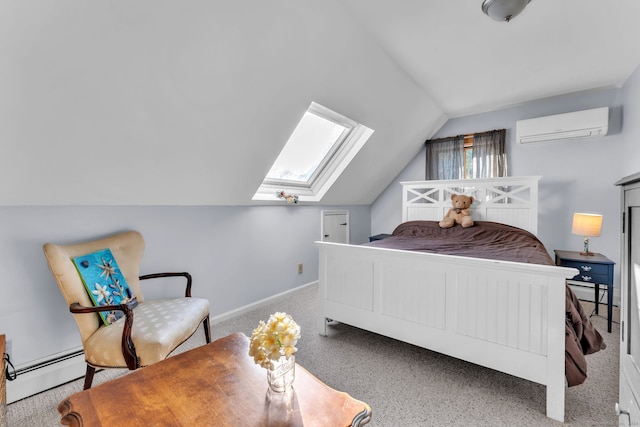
478, 155
309, 145
318, 150
468, 156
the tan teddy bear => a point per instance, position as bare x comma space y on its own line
460, 213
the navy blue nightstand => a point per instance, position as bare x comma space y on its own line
596, 269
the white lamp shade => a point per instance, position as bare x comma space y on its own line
585, 224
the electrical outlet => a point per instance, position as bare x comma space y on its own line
300, 268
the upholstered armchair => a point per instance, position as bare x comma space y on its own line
149, 330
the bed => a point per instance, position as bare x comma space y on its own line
511, 315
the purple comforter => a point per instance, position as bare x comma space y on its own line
497, 241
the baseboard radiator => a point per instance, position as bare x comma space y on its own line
45, 374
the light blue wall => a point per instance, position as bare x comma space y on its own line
237, 256
577, 175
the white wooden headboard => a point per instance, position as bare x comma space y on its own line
509, 200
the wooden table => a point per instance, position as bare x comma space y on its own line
217, 384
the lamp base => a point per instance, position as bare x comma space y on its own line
585, 247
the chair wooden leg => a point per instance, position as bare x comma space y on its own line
207, 329
88, 377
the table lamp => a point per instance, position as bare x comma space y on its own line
587, 225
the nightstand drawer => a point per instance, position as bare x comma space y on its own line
588, 269
591, 278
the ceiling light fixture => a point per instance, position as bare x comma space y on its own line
503, 10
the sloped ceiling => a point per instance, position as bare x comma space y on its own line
171, 102
469, 63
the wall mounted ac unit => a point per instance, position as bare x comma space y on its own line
578, 124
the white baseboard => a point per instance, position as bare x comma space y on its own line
57, 369
260, 303
47, 373
587, 293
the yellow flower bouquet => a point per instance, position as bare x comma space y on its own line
274, 339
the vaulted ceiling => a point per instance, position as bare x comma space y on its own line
469, 63
170, 102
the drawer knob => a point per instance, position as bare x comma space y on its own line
585, 267
586, 278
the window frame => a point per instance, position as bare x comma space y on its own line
329, 168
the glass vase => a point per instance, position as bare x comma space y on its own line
281, 377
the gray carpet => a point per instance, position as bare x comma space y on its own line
404, 385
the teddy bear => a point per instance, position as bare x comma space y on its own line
460, 213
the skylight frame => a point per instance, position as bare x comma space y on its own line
329, 168
326, 114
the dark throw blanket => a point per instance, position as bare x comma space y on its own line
491, 240
581, 338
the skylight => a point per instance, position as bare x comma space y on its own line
319, 149
308, 145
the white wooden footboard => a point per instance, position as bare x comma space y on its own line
503, 315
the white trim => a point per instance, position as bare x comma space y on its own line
247, 308
586, 292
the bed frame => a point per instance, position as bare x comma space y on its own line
506, 316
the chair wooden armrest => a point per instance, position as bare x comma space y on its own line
161, 325
128, 348
187, 292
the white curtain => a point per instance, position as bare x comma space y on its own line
489, 154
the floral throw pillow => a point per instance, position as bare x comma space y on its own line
104, 282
